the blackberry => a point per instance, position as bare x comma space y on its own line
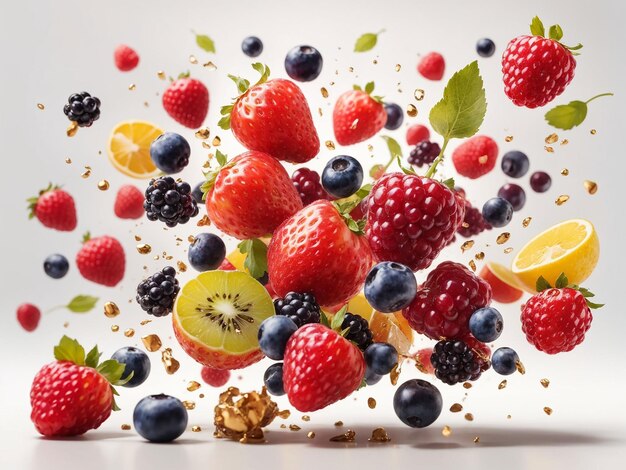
424, 153
157, 293
360, 332
473, 222
454, 362
301, 308
169, 201
307, 183
82, 108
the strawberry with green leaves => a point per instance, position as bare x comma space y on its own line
101, 260
54, 208
186, 100
358, 115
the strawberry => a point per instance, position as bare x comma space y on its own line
129, 202
250, 196
358, 115
475, 157
214, 377
28, 315
314, 251
54, 208
186, 100
101, 260
272, 117
432, 66
126, 58
74, 394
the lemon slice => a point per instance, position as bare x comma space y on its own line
129, 148
571, 247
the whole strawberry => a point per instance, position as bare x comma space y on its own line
74, 394
536, 69
101, 260
475, 157
556, 319
129, 202
358, 115
54, 208
272, 117
314, 251
250, 196
186, 100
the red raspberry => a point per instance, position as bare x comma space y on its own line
129, 202
410, 219
475, 157
432, 66
416, 133
473, 222
308, 185
444, 303
215, 377
126, 58
28, 316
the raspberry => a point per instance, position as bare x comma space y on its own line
28, 316
82, 108
128, 202
473, 222
444, 303
424, 153
169, 201
410, 219
126, 59
359, 332
156, 294
301, 308
215, 377
475, 157
456, 361
432, 66
416, 133
307, 183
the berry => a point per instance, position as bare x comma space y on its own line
169, 201
486, 324
101, 260
28, 316
504, 361
170, 152
252, 46
432, 66
197, 194
206, 252
320, 368
485, 47
515, 164
416, 133
540, 181
157, 293
475, 157
359, 332
273, 379
342, 176
371, 378
381, 358
56, 266
135, 361
307, 183
129, 202
417, 403
300, 308
186, 100
54, 208
395, 116
214, 377
160, 418
497, 212
390, 287
424, 153
273, 336
445, 302
410, 219
357, 116
303, 63
126, 59
473, 222
455, 362
514, 194
82, 108
422, 361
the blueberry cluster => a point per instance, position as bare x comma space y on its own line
455, 362
359, 332
157, 293
82, 108
300, 308
424, 153
169, 201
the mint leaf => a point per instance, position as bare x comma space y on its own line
256, 256
542, 284
555, 32
394, 147
366, 42
567, 116
69, 349
205, 43
93, 357
536, 27
82, 303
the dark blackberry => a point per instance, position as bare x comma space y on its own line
157, 293
473, 222
360, 332
424, 153
307, 183
169, 201
82, 108
301, 308
454, 362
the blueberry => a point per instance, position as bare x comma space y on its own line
56, 266
273, 336
390, 287
515, 164
497, 211
342, 176
504, 361
417, 403
136, 361
540, 181
395, 116
303, 63
371, 378
160, 418
380, 358
252, 46
206, 252
273, 379
485, 47
170, 152
197, 194
514, 194
486, 324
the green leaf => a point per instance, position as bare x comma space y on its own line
394, 147
69, 349
555, 32
221, 158
338, 318
462, 109
561, 281
593, 305
366, 42
224, 123
82, 303
567, 116
324, 320
205, 43
449, 183
405, 170
536, 27
542, 284
93, 357
256, 256
369, 87
242, 83
363, 384
113, 371
264, 70
363, 191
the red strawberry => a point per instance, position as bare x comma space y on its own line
215, 377
54, 208
28, 316
129, 202
186, 100
101, 260
416, 133
70, 396
475, 157
314, 251
432, 66
358, 115
537, 69
320, 367
250, 196
126, 59
272, 117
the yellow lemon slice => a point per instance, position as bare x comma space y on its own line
129, 148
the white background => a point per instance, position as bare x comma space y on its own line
51, 49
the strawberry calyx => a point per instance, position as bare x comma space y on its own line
555, 32
243, 86
256, 256
211, 175
336, 322
562, 282
86, 237
369, 89
346, 205
32, 201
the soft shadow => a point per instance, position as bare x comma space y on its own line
90, 436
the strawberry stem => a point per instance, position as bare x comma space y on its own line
433, 167
598, 96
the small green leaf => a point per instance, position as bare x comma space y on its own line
69, 349
366, 42
264, 70
224, 123
344, 332
242, 83
357, 88
405, 170
221, 158
256, 256
113, 371
394, 147
449, 183
542, 284
555, 32
93, 357
82, 303
338, 318
593, 305
363, 384
567, 116
584, 292
205, 43
324, 320
369, 87
363, 191
536, 27
561, 281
